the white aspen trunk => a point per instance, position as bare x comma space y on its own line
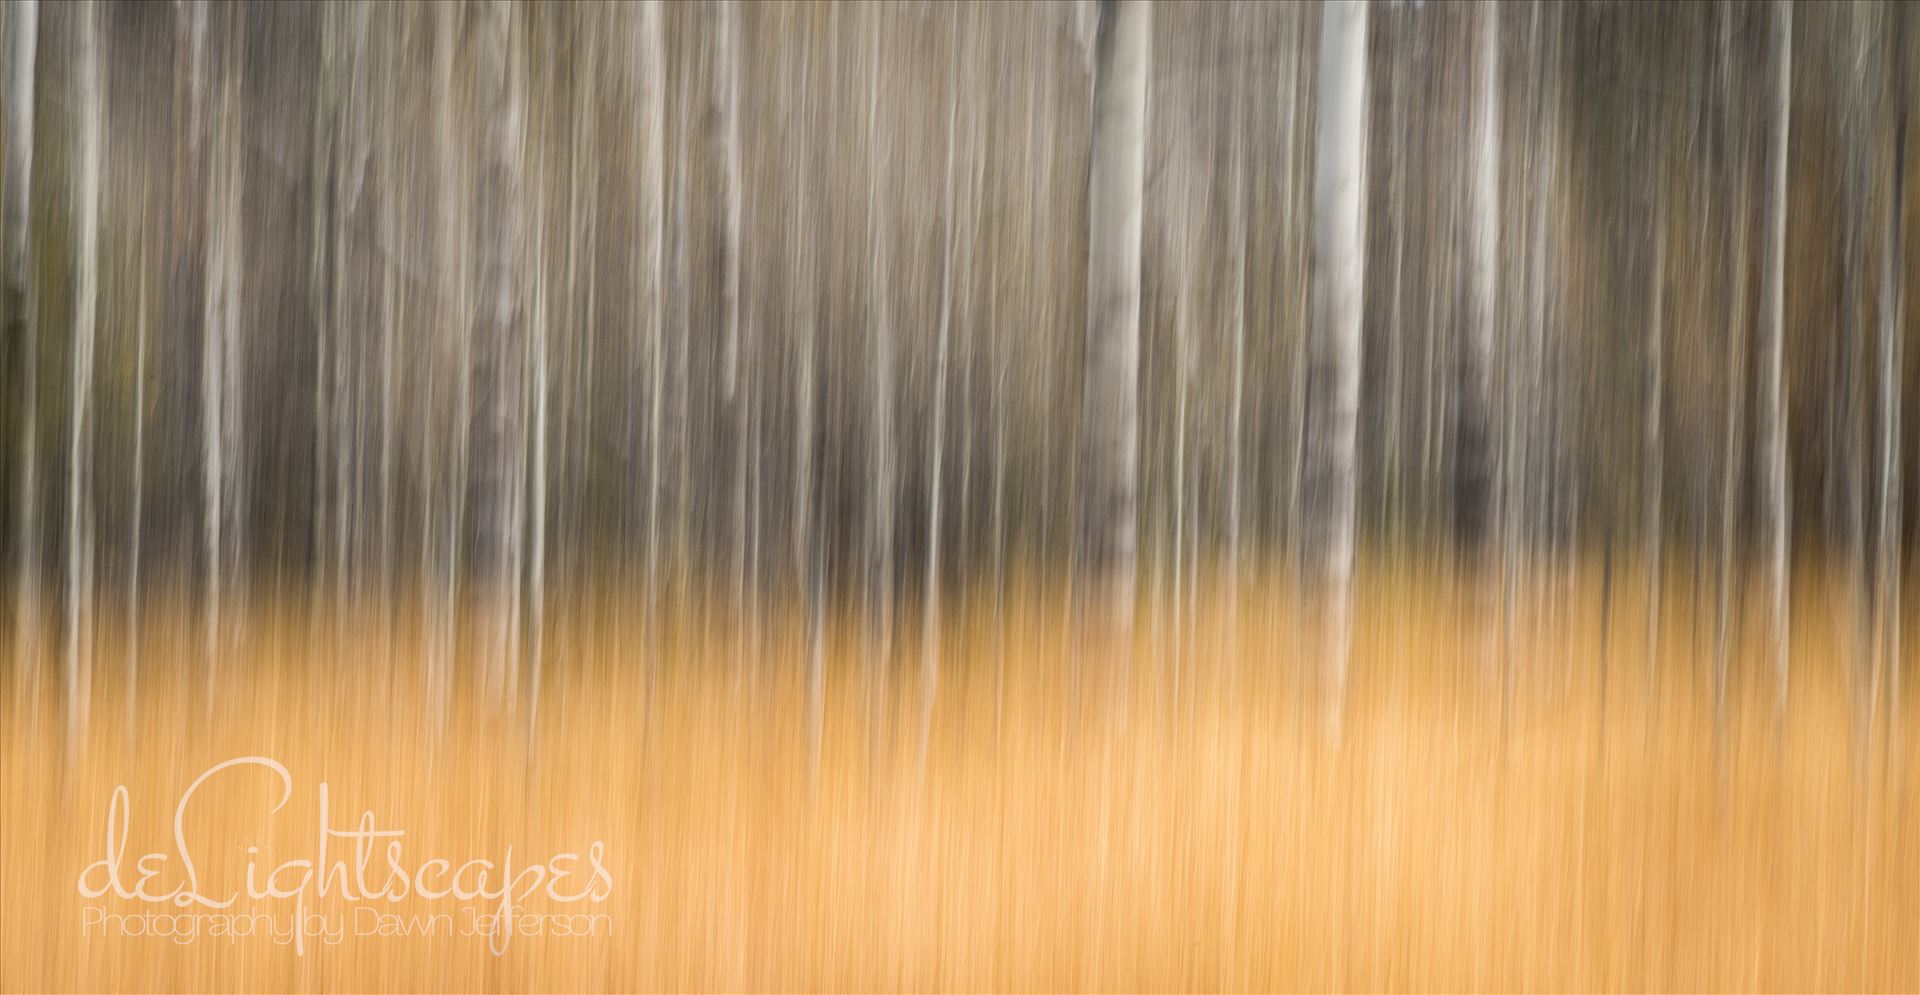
389, 185
499, 327
725, 113
1653, 449
930, 617
212, 385
537, 516
653, 79
1394, 491
16, 300
726, 108
1293, 254
880, 374
1732, 439
232, 258
1110, 413
1774, 511
1237, 208
1475, 461
1183, 375
800, 244
452, 203
1339, 262
1892, 304
349, 153
79, 627
139, 492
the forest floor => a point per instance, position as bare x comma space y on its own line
1198, 827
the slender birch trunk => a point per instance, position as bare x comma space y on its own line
1774, 511
653, 106
1888, 563
80, 512
1653, 448
1475, 460
21, 336
930, 617
499, 396
1339, 267
1110, 414
880, 374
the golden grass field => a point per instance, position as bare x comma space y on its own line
1192, 827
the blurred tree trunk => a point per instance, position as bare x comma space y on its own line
653, 107
500, 334
21, 337
880, 493
1653, 448
936, 467
1892, 306
80, 512
1772, 428
1110, 415
1474, 463
1733, 146
1339, 265
452, 205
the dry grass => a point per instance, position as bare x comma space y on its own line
1194, 827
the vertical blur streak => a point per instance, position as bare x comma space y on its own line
1053, 495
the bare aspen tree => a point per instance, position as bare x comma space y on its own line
139, 487
936, 467
881, 486
1652, 446
1339, 259
16, 301
1110, 412
807, 564
80, 512
1475, 460
499, 331
726, 109
389, 182
725, 115
540, 348
1393, 494
653, 106
1774, 512
1887, 552
1237, 263
451, 204
1733, 439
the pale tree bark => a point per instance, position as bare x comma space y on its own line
221, 355
1110, 413
452, 205
16, 302
139, 488
1653, 447
726, 109
1733, 437
1887, 566
806, 555
1772, 442
1475, 462
1339, 261
653, 106
725, 117
880, 492
1237, 263
80, 430
500, 334
936, 467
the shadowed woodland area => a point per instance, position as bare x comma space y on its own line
1045, 495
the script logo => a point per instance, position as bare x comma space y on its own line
375, 875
